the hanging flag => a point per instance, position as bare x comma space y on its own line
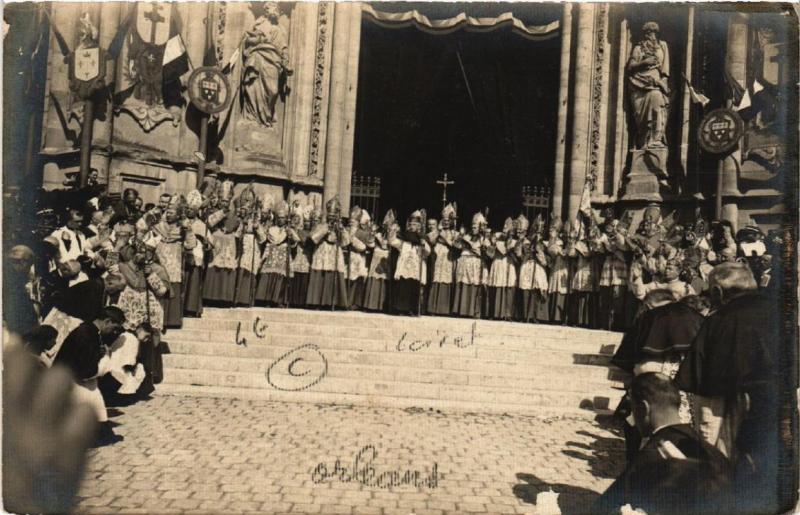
213, 34
757, 86
231, 62
115, 47
62, 43
745, 101
176, 60
696, 97
735, 90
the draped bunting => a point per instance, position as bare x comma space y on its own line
462, 20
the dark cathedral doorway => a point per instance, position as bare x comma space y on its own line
479, 106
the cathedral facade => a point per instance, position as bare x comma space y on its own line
634, 85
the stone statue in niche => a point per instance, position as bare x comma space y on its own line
265, 58
648, 74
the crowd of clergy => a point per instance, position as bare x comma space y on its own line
694, 298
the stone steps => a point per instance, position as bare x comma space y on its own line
383, 352
411, 339
374, 392
508, 376
361, 400
227, 318
381, 360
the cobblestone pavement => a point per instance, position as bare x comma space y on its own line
198, 455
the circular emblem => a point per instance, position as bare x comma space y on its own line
720, 130
209, 90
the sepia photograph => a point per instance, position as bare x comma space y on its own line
400, 258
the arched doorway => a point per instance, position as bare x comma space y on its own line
481, 107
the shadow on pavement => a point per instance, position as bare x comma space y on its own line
604, 455
571, 499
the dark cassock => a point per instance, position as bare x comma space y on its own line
613, 279
376, 290
83, 298
597, 248
220, 280
662, 334
248, 240
85, 353
440, 293
559, 279
411, 272
19, 311
358, 254
194, 264
275, 272
174, 238
531, 252
502, 280
69, 274
582, 284
326, 281
675, 471
301, 256
735, 366
471, 270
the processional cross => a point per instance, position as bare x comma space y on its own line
444, 183
154, 18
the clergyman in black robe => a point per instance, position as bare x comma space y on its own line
675, 471
85, 353
734, 364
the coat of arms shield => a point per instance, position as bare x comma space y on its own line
87, 64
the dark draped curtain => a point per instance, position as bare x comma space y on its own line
480, 106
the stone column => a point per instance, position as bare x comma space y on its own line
195, 17
602, 81
736, 64
299, 109
341, 26
686, 108
110, 13
581, 103
621, 130
351, 92
563, 105
341, 107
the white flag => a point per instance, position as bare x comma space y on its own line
176, 60
698, 98
745, 102
228, 68
173, 50
757, 87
